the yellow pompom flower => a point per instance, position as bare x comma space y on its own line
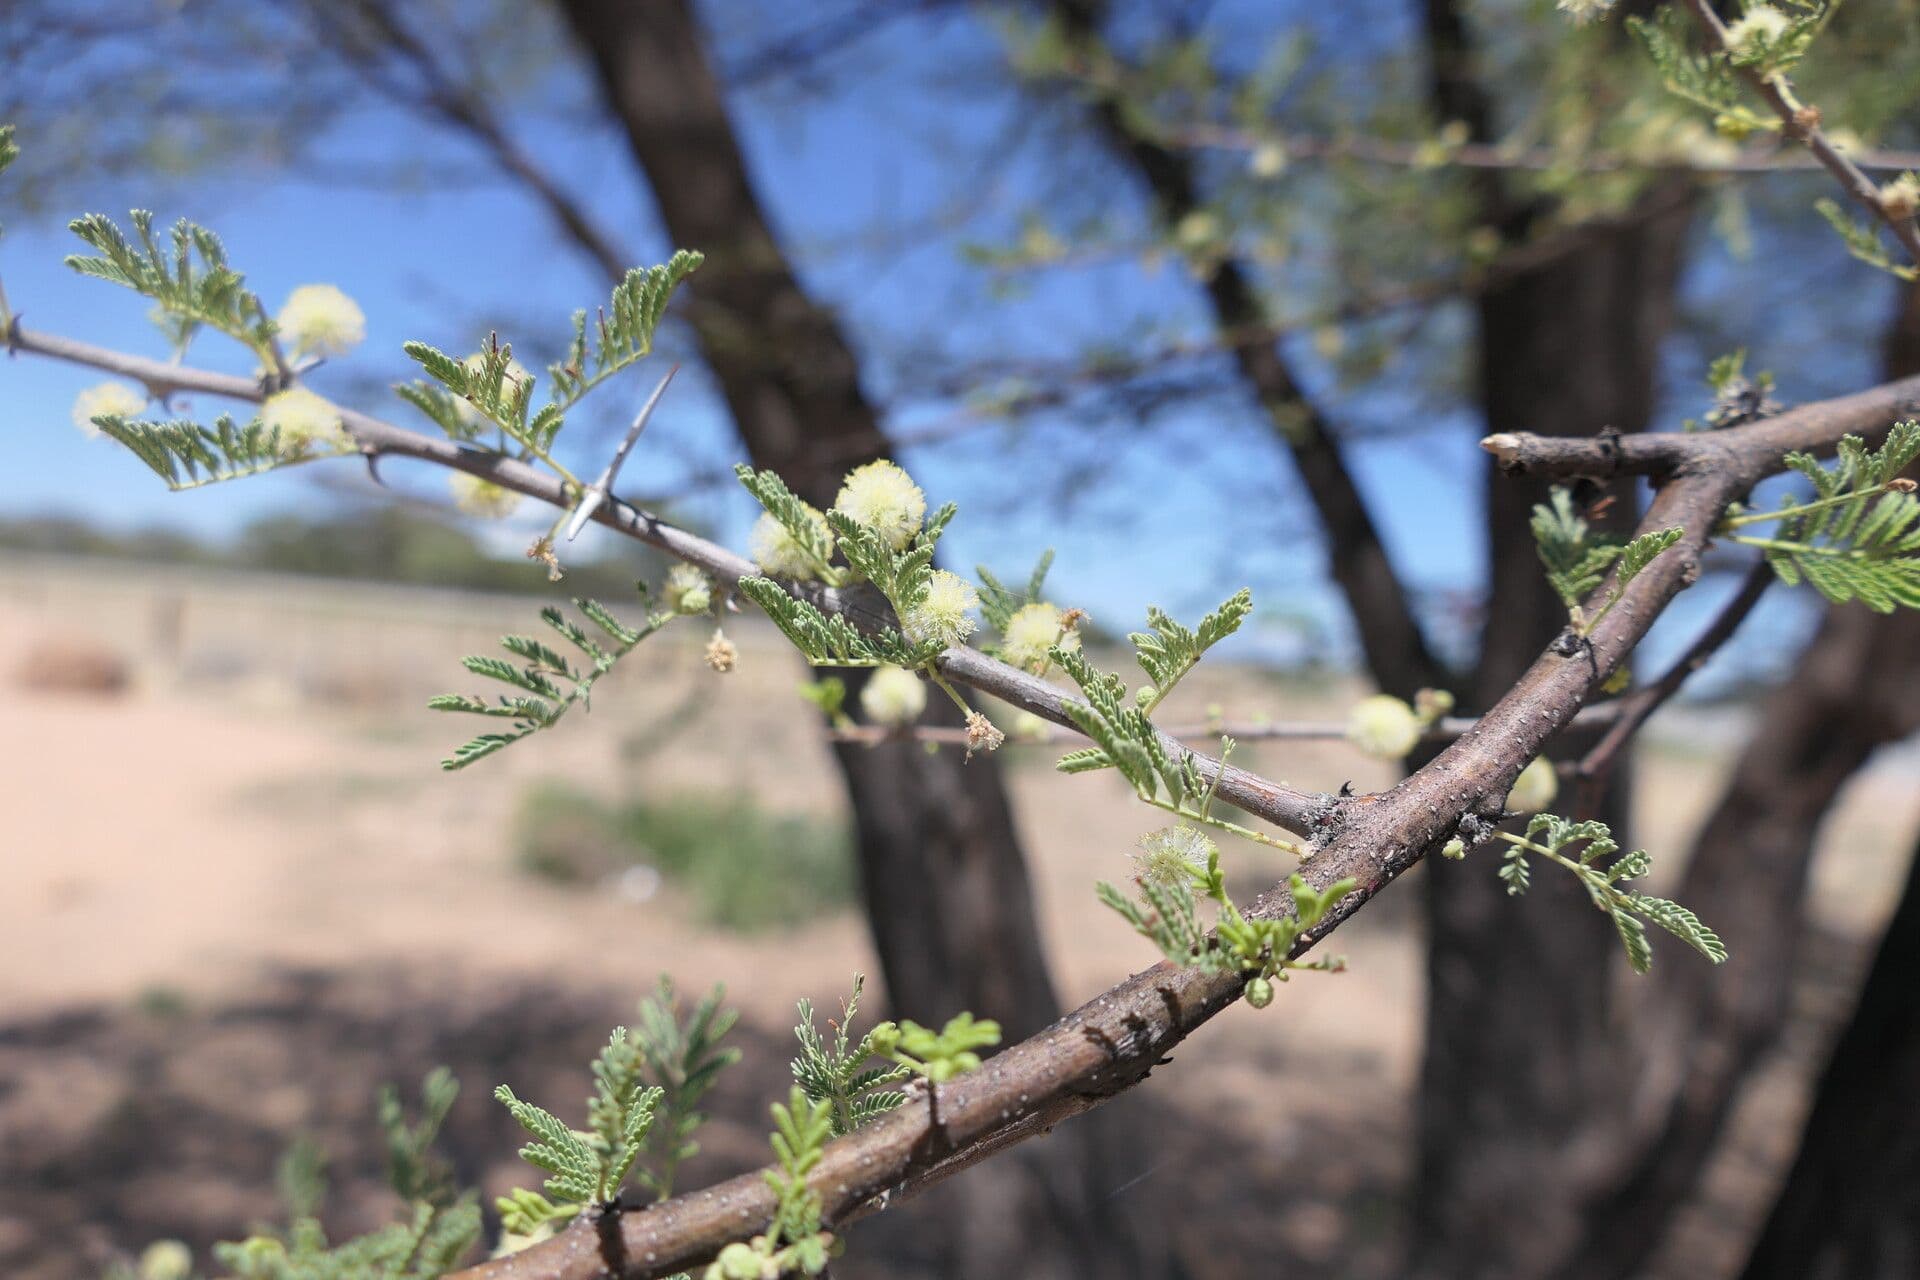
1759, 27
1383, 727
893, 696
319, 320
778, 554
482, 498
687, 590
1169, 857
101, 399
1534, 790
885, 498
166, 1260
303, 418
1031, 631
943, 617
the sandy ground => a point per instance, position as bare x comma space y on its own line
241, 893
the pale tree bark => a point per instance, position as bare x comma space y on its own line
947, 890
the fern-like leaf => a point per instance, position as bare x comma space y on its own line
541, 674
187, 455
622, 333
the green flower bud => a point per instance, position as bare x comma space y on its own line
1260, 992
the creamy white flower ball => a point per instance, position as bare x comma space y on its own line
779, 554
687, 590
884, 497
1534, 790
1383, 727
1031, 631
303, 418
1758, 26
483, 498
106, 398
475, 363
893, 696
1168, 857
943, 617
319, 320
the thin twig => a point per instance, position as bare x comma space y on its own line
1803, 123
1638, 706
1282, 805
1505, 156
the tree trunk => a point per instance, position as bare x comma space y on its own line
1850, 1209
1707, 1029
947, 893
941, 865
1520, 1028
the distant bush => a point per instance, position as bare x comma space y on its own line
744, 868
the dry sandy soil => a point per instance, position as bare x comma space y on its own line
239, 894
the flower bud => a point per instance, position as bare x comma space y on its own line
479, 497
320, 320
893, 696
1260, 992
687, 590
885, 498
1383, 727
115, 399
1534, 790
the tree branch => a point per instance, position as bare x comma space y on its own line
1281, 805
1810, 428
1637, 707
1803, 122
1114, 1041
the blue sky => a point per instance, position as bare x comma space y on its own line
1179, 516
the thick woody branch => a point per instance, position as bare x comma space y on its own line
1117, 1039
1445, 729
1811, 428
1114, 1041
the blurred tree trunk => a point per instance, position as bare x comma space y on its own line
1520, 1025
1850, 1209
1392, 643
1707, 1027
947, 887
947, 893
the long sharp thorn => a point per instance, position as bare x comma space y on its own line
591, 501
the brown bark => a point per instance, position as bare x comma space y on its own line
1520, 1035
1852, 692
1850, 1209
940, 860
1520, 1029
946, 886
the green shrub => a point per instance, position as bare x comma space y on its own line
743, 867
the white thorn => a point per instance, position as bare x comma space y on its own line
594, 497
